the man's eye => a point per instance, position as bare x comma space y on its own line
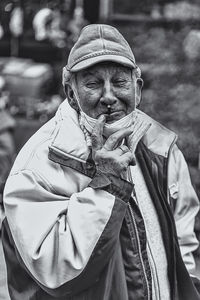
92, 84
120, 82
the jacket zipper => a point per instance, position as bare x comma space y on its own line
139, 249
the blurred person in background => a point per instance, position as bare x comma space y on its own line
46, 25
7, 147
99, 202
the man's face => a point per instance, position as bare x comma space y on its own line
107, 85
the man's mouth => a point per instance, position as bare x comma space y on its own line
113, 116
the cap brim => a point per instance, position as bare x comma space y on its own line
84, 64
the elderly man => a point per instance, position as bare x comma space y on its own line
99, 203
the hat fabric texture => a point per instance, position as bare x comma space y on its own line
98, 43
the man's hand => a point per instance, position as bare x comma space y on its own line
109, 157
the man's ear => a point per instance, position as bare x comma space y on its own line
139, 86
70, 96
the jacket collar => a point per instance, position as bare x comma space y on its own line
69, 139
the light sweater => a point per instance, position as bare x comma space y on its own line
155, 247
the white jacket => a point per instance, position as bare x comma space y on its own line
56, 218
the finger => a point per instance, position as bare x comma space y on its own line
115, 138
122, 149
97, 132
138, 133
140, 129
124, 161
128, 158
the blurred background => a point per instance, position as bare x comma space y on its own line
36, 37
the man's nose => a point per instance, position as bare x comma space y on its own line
108, 95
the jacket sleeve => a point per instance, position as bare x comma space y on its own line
186, 206
65, 241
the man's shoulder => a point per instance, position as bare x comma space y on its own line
36, 146
61, 134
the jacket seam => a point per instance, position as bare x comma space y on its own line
64, 155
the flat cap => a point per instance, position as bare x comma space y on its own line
98, 43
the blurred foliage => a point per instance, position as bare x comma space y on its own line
171, 9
